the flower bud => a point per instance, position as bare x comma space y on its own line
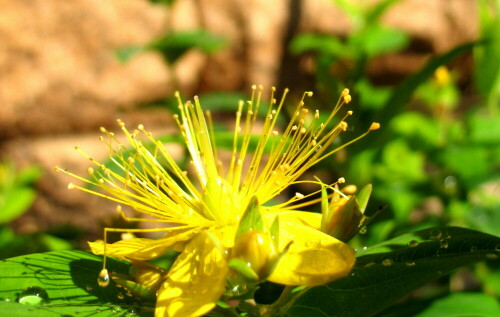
342, 221
257, 251
147, 275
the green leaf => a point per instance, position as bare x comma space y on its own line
462, 305
69, 279
485, 128
486, 61
124, 54
404, 91
377, 40
461, 158
414, 125
241, 267
363, 197
401, 165
174, 45
378, 9
386, 273
28, 176
16, 190
318, 43
252, 219
225, 101
370, 96
14, 202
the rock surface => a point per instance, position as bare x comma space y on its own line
60, 79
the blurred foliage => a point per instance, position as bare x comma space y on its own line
436, 159
172, 46
17, 194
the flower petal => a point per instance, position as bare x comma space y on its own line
143, 249
313, 258
195, 282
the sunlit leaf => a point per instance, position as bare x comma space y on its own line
69, 279
386, 273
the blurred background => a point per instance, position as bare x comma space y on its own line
428, 71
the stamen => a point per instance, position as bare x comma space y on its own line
375, 126
350, 189
299, 195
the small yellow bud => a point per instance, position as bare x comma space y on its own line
349, 189
148, 275
299, 195
375, 126
258, 251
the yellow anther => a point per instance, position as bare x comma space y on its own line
90, 170
345, 92
299, 195
127, 236
350, 189
347, 99
343, 126
375, 126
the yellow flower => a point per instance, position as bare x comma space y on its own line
201, 208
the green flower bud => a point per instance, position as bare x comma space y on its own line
343, 219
